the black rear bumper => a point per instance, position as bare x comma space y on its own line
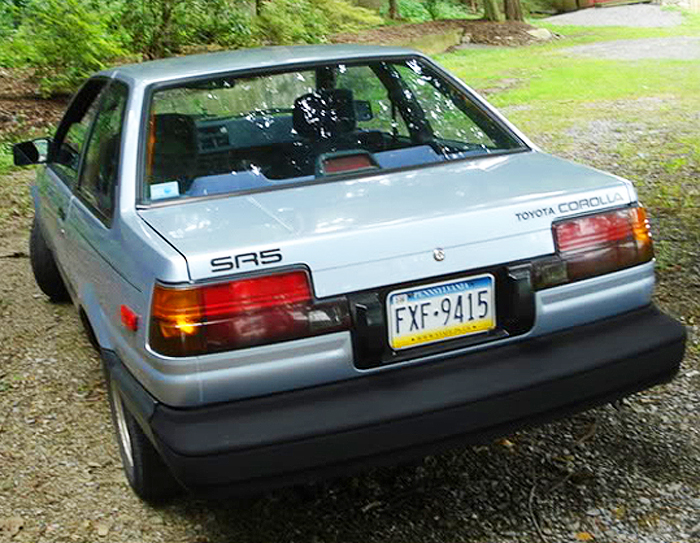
387, 417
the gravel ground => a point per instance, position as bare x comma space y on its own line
642, 15
648, 48
628, 476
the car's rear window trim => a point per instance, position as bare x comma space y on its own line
143, 203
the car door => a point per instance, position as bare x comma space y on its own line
56, 182
93, 245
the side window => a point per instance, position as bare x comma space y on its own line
101, 164
367, 87
75, 129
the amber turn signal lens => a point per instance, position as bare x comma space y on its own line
178, 311
640, 225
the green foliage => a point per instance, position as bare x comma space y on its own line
414, 11
420, 11
154, 28
160, 28
448, 9
64, 41
310, 21
8, 18
220, 22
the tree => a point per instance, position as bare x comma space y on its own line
394, 9
64, 41
514, 10
491, 11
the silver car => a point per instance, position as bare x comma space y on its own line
296, 262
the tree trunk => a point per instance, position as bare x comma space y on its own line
491, 11
514, 10
394, 9
258, 6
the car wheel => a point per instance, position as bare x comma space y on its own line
44, 267
145, 470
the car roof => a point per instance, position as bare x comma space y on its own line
246, 59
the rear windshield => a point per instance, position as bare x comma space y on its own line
232, 134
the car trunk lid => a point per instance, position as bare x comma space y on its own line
362, 233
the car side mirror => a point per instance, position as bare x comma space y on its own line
363, 110
31, 152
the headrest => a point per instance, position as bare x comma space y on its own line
174, 133
326, 113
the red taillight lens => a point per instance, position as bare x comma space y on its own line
242, 313
593, 231
596, 244
254, 294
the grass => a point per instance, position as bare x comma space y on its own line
6, 164
489, 63
548, 74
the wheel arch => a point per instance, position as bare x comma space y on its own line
94, 319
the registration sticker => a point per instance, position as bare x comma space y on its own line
165, 190
441, 311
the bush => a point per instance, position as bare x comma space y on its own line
447, 9
64, 41
413, 11
220, 22
160, 28
420, 11
310, 21
8, 17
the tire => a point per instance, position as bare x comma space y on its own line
44, 267
145, 470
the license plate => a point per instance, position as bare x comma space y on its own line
441, 311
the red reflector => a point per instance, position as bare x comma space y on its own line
593, 230
130, 320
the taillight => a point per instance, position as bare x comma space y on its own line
596, 244
242, 313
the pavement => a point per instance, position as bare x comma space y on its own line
637, 15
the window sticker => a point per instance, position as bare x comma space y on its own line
169, 189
